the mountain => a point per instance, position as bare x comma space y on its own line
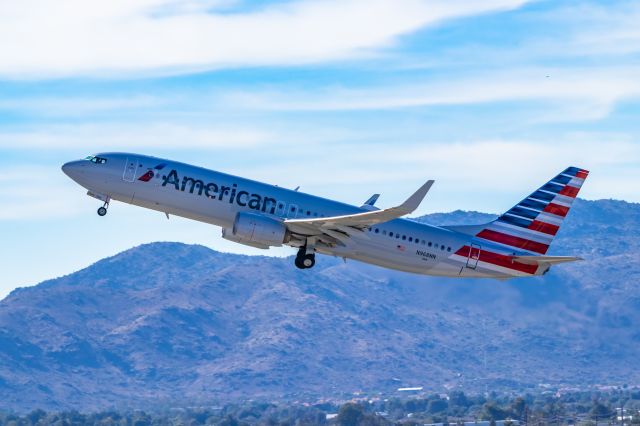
169, 323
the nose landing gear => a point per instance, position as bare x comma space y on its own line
306, 257
103, 210
102, 197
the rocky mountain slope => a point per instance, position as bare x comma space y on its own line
178, 324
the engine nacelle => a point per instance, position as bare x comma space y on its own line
257, 231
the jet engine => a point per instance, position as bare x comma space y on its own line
257, 231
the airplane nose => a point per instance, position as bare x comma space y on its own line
73, 169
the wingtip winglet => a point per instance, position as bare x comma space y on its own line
414, 201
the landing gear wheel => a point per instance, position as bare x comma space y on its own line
102, 211
309, 260
305, 261
306, 256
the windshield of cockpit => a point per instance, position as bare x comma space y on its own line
97, 160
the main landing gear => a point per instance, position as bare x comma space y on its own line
306, 256
305, 261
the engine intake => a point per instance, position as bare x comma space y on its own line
257, 231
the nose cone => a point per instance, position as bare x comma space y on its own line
74, 169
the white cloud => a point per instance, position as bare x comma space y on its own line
31, 192
569, 94
71, 106
486, 175
599, 29
44, 38
110, 137
582, 93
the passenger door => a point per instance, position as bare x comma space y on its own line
130, 170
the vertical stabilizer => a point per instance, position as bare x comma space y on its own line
532, 224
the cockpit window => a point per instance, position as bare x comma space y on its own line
97, 160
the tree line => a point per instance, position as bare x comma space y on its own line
454, 408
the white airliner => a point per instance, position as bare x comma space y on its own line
261, 215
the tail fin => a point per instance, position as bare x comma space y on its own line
534, 221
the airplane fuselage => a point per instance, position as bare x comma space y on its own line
217, 198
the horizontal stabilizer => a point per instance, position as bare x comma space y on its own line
549, 260
372, 200
369, 204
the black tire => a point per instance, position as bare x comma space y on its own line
102, 211
298, 263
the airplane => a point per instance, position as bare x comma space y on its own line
260, 215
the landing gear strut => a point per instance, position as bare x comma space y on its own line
306, 256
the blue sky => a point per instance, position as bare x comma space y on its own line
344, 98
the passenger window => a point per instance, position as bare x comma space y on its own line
410, 239
448, 248
377, 230
391, 234
404, 237
430, 244
441, 247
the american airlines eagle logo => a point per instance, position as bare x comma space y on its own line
151, 173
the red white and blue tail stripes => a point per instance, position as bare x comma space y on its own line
528, 227
532, 223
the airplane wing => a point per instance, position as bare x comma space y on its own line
341, 227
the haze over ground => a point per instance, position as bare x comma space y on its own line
345, 98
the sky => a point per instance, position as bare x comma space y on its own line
344, 98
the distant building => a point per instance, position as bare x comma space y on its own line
415, 389
623, 415
479, 423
